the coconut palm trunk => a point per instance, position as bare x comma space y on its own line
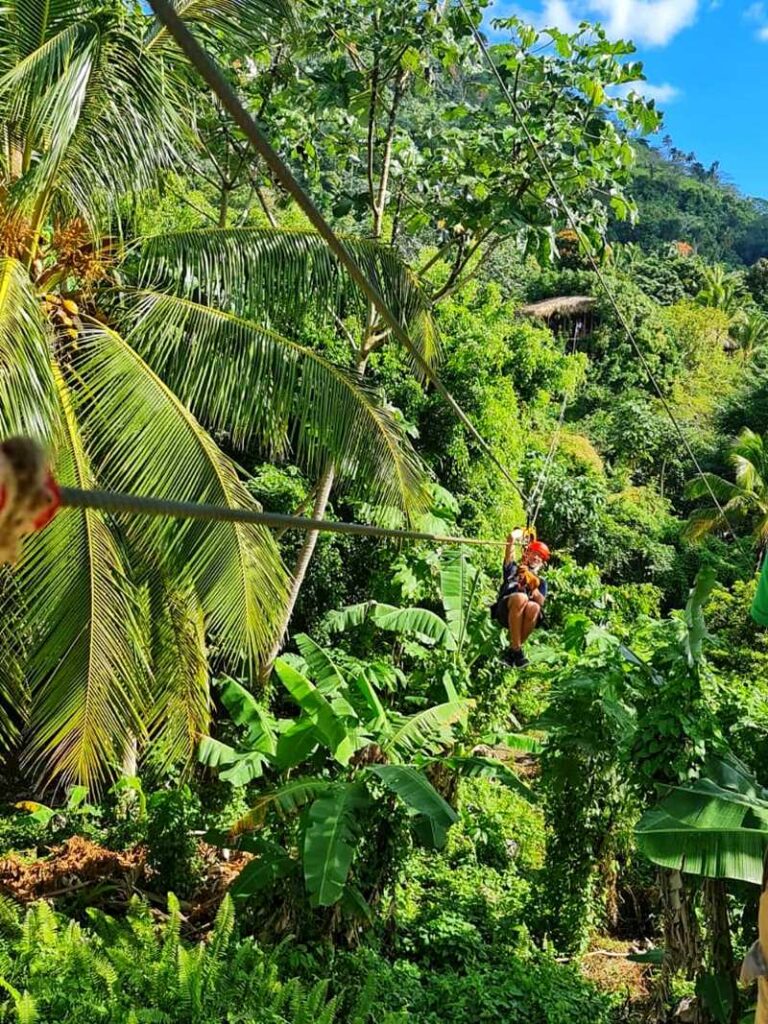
324, 487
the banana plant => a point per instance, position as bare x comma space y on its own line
458, 638
716, 827
354, 752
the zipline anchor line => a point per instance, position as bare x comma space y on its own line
118, 503
576, 227
211, 74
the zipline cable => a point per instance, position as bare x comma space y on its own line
571, 218
119, 503
211, 74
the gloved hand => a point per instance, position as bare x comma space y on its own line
528, 580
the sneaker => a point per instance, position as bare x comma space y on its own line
515, 659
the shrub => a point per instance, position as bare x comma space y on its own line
522, 989
171, 848
131, 972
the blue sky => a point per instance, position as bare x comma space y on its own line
706, 62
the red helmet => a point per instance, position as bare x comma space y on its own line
538, 547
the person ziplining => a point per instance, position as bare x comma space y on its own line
519, 606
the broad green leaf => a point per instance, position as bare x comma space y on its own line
458, 581
488, 768
424, 624
366, 688
705, 583
425, 732
245, 710
717, 992
353, 902
325, 673
286, 799
215, 754
416, 791
333, 730
272, 864
76, 797
296, 744
245, 768
707, 830
330, 840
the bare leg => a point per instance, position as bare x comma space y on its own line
531, 615
516, 605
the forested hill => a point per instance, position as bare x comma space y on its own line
681, 200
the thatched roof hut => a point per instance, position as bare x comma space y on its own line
562, 306
565, 314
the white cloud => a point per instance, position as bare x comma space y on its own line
557, 13
762, 34
664, 93
653, 22
648, 22
755, 12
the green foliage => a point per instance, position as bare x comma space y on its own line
527, 989
679, 200
171, 847
118, 972
364, 752
715, 826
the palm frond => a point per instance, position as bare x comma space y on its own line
28, 400
29, 24
702, 522
26, 77
15, 639
256, 19
247, 380
284, 274
181, 709
144, 441
99, 119
87, 697
427, 731
709, 483
748, 457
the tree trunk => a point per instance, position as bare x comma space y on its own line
721, 948
682, 941
300, 571
223, 206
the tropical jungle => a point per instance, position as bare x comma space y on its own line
290, 776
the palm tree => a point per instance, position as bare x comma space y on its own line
744, 501
750, 335
120, 359
720, 290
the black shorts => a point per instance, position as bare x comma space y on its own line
500, 613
